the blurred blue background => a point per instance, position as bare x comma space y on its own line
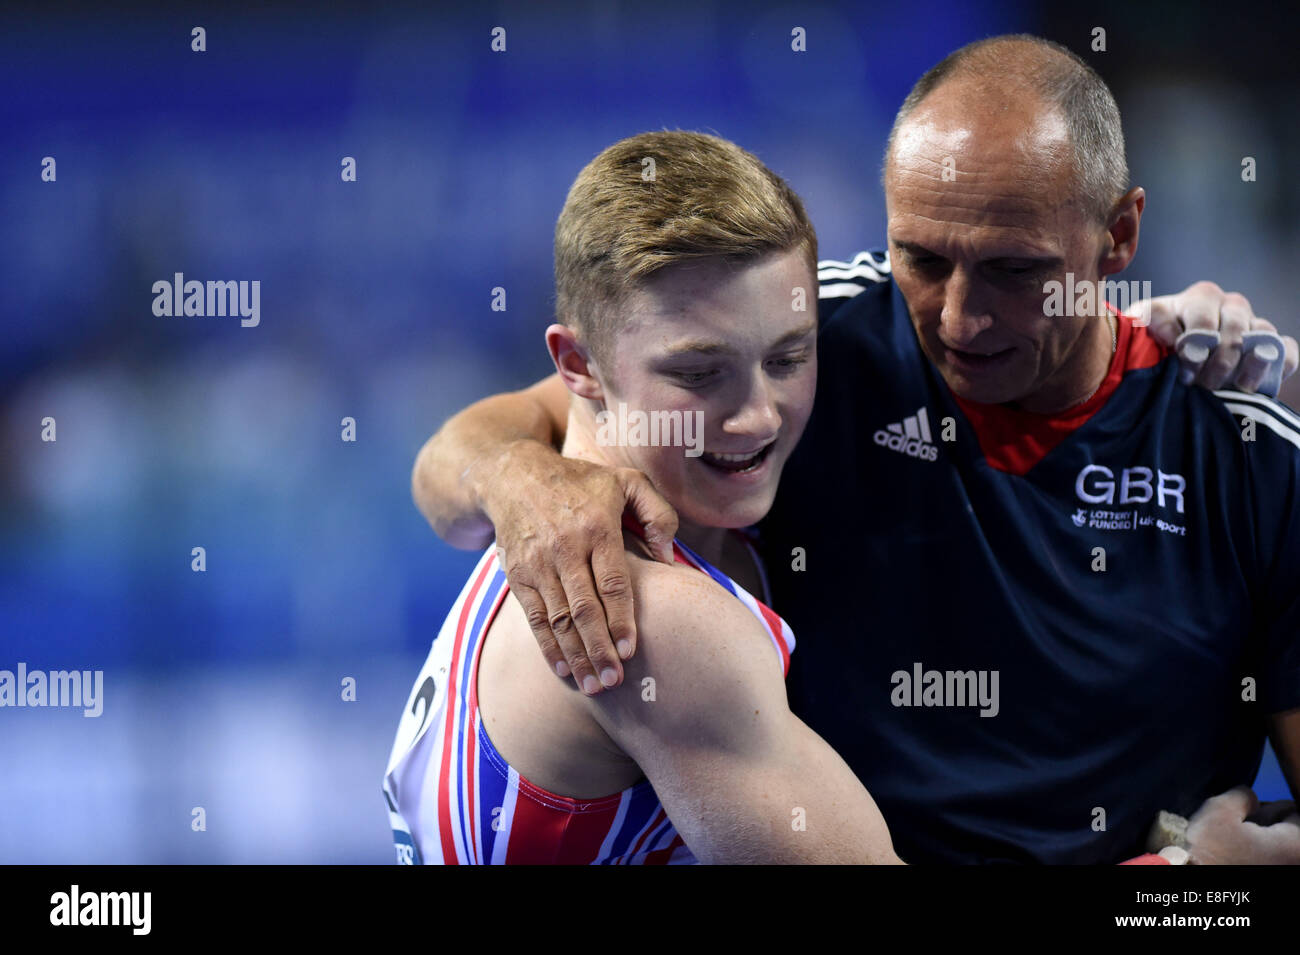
223, 688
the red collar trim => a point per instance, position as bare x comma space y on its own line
1014, 441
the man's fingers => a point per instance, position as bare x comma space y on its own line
1196, 309
1292, 357
1194, 348
652, 512
1161, 318
1251, 371
560, 622
1290, 347
1198, 306
1140, 313
586, 615
538, 621
1234, 318
609, 566
1233, 321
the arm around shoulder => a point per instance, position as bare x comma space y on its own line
452, 471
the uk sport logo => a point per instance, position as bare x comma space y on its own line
911, 436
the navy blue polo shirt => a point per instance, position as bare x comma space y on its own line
1025, 641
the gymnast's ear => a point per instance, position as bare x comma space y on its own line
573, 362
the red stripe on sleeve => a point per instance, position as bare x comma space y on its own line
449, 738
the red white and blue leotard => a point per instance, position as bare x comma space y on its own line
453, 799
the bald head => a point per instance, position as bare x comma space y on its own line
1005, 176
1027, 92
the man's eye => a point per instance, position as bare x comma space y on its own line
789, 363
1015, 270
694, 377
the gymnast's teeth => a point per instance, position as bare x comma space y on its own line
736, 462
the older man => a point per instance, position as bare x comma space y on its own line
1046, 588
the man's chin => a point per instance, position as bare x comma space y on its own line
979, 389
730, 514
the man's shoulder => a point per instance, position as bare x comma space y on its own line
684, 612
696, 643
861, 283
1271, 418
1265, 429
702, 678
838, 279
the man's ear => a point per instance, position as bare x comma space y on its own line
1122, 233
573, 362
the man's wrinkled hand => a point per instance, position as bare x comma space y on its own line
559, 536
1206, 307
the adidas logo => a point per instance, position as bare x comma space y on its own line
911, 437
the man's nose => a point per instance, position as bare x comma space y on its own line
964, 315
756, 415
